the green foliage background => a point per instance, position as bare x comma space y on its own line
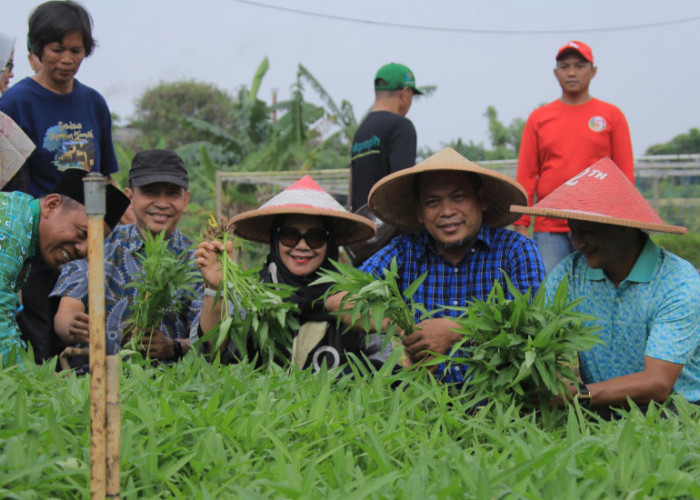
686, 246
199, 430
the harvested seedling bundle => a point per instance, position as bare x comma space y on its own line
522, 349
162, 275
371, 301
253, 310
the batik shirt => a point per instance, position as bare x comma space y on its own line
473, 277
122, 267
19, 229
655, 312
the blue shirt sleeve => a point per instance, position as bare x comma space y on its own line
73, 281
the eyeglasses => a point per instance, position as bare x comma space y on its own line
290, 237
10, 65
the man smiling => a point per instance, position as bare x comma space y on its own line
454, 211
53, 228
158, 184
647, 299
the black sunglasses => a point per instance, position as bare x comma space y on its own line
290, 236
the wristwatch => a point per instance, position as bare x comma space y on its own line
177, 348
584, 396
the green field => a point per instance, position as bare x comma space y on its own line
200, 430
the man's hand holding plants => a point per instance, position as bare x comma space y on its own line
435, 335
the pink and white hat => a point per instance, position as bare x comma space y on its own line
305, 196
600, 193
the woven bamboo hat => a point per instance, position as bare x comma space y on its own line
305, 196
393, 198
600, 193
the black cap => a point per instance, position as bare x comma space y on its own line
70, 184
157, 165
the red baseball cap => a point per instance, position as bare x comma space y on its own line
576, 46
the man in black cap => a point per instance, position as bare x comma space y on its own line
52, 228
158, 184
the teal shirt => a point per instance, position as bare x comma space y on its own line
19, 229
654, 312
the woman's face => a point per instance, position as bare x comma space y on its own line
61, 60
301, 259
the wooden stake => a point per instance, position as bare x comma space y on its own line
94, 187
113, 426
96, 306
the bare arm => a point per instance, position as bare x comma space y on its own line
71, 321
654, 383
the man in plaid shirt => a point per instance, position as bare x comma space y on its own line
454, 212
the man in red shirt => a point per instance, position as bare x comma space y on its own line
564, 137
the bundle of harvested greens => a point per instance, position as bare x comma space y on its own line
253, 310
162, 275
371, 301
522, 349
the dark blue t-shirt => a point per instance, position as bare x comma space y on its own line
69, 130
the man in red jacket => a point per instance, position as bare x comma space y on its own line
564, 137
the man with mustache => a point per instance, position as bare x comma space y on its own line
51, 230
454, 213
564, 137
158, 183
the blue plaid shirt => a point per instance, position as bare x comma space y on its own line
456, 285
121, 267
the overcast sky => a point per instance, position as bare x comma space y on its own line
498, 53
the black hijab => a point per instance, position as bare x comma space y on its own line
308, 298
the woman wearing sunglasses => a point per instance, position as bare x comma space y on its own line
303, 226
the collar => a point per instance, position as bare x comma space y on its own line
482, 240
35, 207
643, 268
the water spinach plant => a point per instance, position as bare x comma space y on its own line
518, 349
163, 273
203, 430
522, 349
371, 301
253, 311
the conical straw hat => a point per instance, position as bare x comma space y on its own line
393, 198
305, 196
600, 193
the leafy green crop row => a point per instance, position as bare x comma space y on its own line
200, 430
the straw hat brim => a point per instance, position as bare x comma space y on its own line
394, 201
594, 217
255, 225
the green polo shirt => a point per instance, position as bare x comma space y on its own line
654, 312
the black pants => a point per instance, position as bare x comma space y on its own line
36, 319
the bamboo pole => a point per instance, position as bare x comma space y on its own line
113, 410
95, 207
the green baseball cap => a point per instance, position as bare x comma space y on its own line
397, 76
